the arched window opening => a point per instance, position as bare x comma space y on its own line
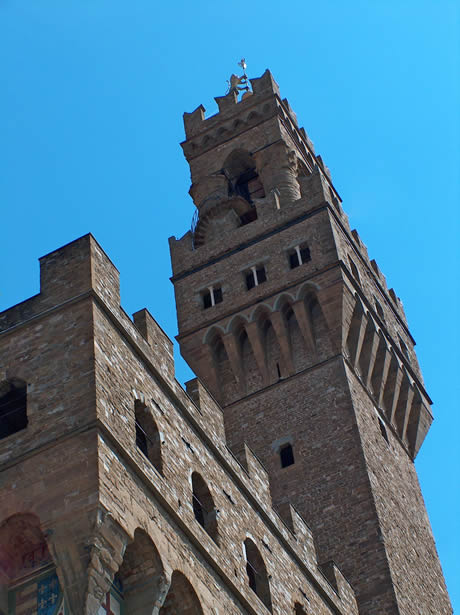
257, 573
139, 581
354, 270
147, 435
286, 455
243, 180
13, 407
181, 597
27, 572
203, 506
299, 610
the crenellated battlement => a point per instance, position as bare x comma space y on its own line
158, 451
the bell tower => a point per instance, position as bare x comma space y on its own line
291, 326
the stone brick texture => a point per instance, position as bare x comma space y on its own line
98, 502
319, 356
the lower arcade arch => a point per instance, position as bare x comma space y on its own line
140, 582
181, 597
27, 569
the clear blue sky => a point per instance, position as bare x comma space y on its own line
92, 96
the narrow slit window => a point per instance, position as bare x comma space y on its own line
286, 456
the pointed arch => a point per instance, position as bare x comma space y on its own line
181, 597
140, 583
282, 300
212, 333
272, 351
260, 313
301, 358
257, 573
308, 293
308, 289
228, 386
203, 506
236, 323
250, 369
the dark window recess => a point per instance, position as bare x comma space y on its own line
141, 440
305, 254
207, 302
249, 216
198, 510
257, 573
250, 282
255, 276
203, 506
218, 295
13, 407
294, 260
248, 186
261, 275
251, 577
147, 435
299, 256
383, 431
212, 296
286, 456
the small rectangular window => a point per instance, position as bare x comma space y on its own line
286, 456
294, 260
305, 254
255, 276
207, 303
212, 296
261, 275
250, 282
299, 255
218, 295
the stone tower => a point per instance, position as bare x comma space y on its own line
291, 326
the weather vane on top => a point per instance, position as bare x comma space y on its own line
238, 84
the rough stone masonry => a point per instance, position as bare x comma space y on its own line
281, 479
